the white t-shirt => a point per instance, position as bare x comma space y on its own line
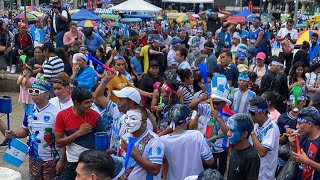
152, 149
168, 40
268, 134
202, 41
55, 101
185, 153
284, 31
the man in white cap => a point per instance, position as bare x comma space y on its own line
128, 97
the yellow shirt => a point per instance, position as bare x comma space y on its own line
117, 83
233, 59
145, 54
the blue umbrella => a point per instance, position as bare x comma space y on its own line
84, 14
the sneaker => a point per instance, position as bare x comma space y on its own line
8, 69
13, 69
4, 143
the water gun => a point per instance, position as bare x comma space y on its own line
91, 58
296, 92
23, 59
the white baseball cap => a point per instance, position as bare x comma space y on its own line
128, 92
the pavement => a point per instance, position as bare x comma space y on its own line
16, 118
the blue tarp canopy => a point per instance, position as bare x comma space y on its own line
142, 16
126, 20
244, 13
84, 14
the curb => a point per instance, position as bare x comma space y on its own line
8, 82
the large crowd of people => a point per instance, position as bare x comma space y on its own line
250, 114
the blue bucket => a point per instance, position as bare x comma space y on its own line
102, 141
5, 104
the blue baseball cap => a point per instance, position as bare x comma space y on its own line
241, 55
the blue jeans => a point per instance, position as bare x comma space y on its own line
59, 38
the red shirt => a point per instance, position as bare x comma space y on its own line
23, 40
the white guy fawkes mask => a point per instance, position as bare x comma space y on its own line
133, 121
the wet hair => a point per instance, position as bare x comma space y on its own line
97, 162
244, 123
269, 95
293, 75
184, 74
80, 95
63, 79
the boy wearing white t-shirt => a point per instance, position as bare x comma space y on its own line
185, 150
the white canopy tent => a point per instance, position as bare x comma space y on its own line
189, 1
136, 6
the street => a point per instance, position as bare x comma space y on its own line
16, 118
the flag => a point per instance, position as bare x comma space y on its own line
16, 154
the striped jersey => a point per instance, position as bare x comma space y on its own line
187, 93
52, 67
241, 100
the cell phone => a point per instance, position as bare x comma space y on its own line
289, 34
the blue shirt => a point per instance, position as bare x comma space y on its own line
241, 100
93, 43
135, 63
253, 37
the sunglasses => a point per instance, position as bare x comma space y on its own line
252, 113
35, 91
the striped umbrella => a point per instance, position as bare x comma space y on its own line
88, 23
29, 16
306, 36
185, 17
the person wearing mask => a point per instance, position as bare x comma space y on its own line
36, 61
222, 37
45, 159
244, 161
308, 131
264, 138
95, 164
147, 153
314, 47
23, 45
189, 143
75, 128
53, 65
256, 34
211, 59
212, 19
60, 21
302, 54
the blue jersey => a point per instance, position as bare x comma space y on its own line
253, 37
